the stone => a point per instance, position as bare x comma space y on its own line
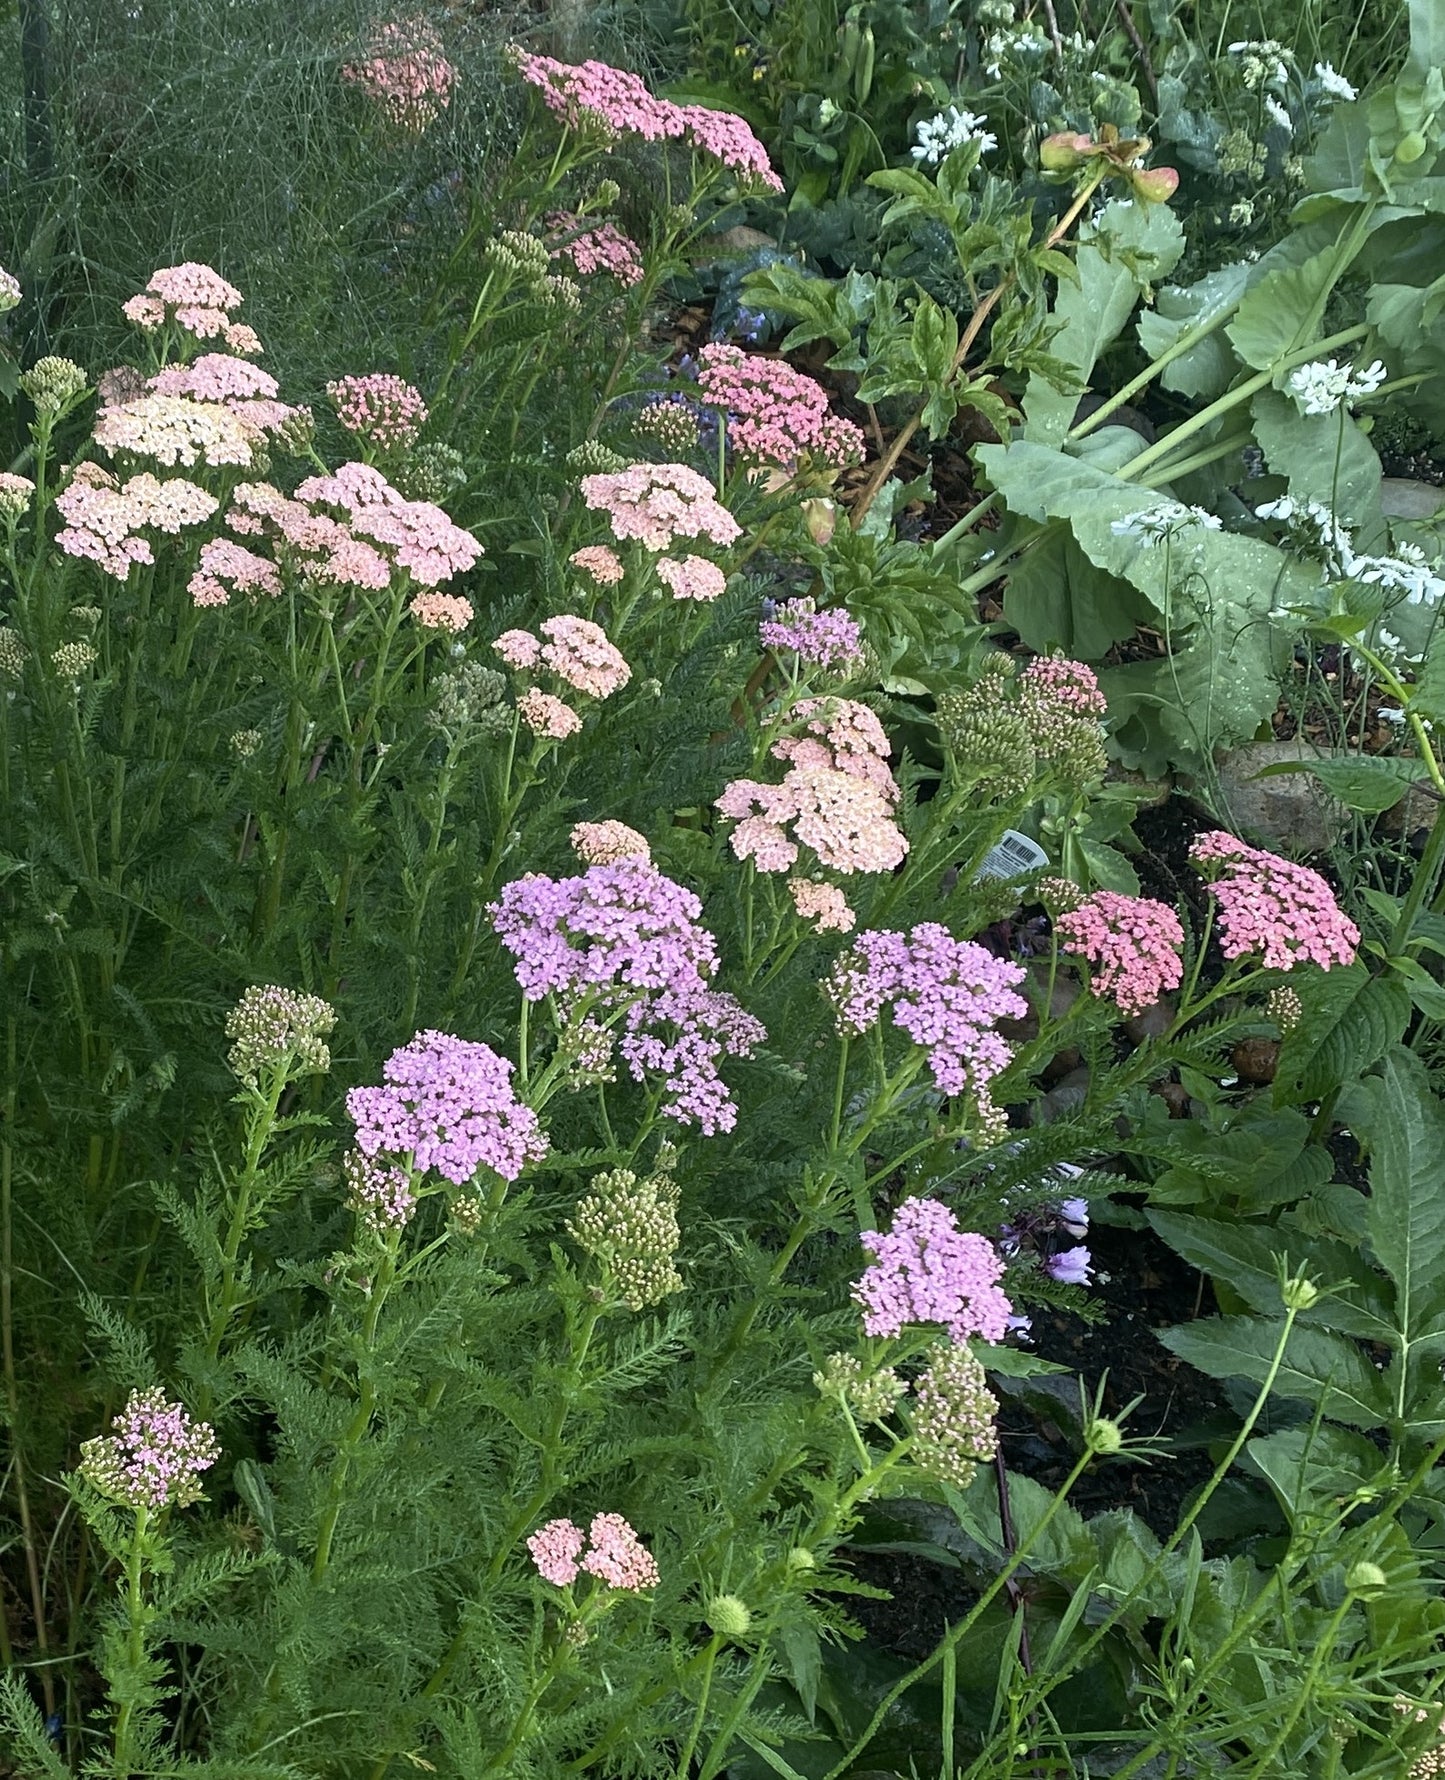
1290, 813
1403, 499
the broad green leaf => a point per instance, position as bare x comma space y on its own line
1323, 1369
1206, 368
1130, 245
1326, 458
1351, 1020
1368, 783
1282, 311
1057, 598
1427, 695
1405, 1132
1425, 993
1243, 1256
1427, 35
1311, 1469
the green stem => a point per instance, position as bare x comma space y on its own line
134, 1645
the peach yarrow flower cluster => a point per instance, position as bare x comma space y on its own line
105, 517
659, 503
613, 104
382, 411
837, 796
579, 653
195, 299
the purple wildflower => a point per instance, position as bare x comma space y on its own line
153, 1456
447, 1104
680, 1035
1070, 1267
927, 1270
828, 639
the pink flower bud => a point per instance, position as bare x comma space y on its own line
1064, 152
1156, 185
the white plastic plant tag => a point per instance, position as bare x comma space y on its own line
1014, 856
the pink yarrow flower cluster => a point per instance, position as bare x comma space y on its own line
405, 74
382, 411
548, 716
623, 935
600, 562
615, 1555
947, 994
230, 382
1133, 945
104, 517
658, 504
823, 904
1268, 906
691, 578
590, 247
377, 533
776, 415
604, 843
828, 639
196, 299
837, 795
613, 104
447, 1103
154, 1455
227, 567
927, 1270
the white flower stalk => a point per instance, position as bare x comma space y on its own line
939, 136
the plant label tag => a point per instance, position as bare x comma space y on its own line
1014, 856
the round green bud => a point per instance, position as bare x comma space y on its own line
1104, 1436
800, 1558
1411, 148
1365, 1579
1300, 1293
728, 1616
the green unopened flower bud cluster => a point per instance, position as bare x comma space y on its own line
13, 654
73, 661
953, 1418
593, 458
432, 472
668, 424
470, 696
271, 1027
515, 252
987, 733
871, 1396
54, 384
631, 1227
16, 493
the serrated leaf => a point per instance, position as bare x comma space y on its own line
1368, 783
1323, 1369
1310, 1469
1243, 1256
1351, 1020
1405, 1132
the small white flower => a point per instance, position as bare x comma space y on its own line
939, 136
1320, 386
1335, 86
1242, 213
1277, 114
1163, 521
1389, 714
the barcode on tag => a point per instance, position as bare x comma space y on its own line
1014, 856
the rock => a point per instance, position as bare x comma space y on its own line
1291, 813
737, 240
1401, 499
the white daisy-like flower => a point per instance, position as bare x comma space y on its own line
1333, 85
939, 136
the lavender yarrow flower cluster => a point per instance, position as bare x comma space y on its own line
625, 936
153, 1456
946, 994
447, 1104
275, 1028
830, 639
927, 1270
